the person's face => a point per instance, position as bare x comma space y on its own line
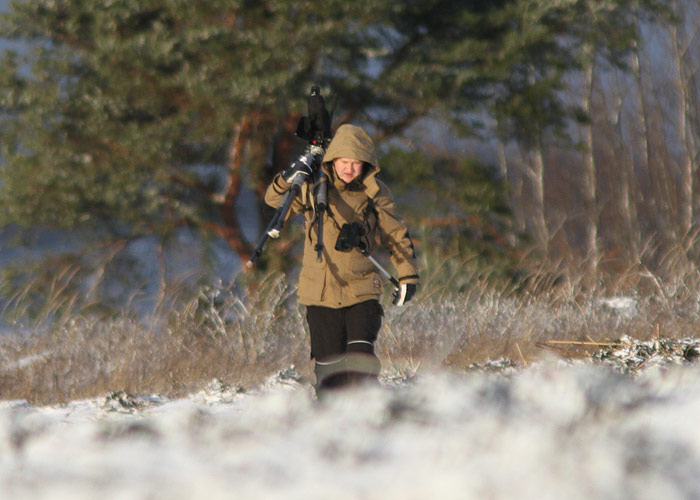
347, 169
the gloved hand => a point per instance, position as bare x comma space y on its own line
299, 170
405, 293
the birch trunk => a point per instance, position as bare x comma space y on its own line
684, 126
535, 173
628, 186
589, 177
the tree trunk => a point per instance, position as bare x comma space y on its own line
589, 178
535, 173
644, 150
628, 195
231, 229
685, 131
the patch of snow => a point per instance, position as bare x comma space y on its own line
628, 355
548, 431
627, 307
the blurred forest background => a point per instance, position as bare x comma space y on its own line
518, 136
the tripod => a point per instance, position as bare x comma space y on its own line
316, 128
313, 160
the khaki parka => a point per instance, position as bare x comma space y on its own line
342, 279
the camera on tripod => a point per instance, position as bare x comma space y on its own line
315, 127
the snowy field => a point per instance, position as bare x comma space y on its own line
553, 430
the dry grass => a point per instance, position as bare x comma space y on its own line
215, 335
480, 322
242, 338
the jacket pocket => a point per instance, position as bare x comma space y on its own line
370, 285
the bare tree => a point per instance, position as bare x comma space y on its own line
686, 117
628, 194
589, 177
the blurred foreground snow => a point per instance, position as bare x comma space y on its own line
549, 431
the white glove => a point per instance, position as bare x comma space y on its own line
404, 293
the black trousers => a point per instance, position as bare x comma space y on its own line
342, 340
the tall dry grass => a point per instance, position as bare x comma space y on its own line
462, 315
221, 333
467, 314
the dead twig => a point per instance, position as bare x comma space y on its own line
521, 354
584, 342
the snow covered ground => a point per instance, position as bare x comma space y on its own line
554, 430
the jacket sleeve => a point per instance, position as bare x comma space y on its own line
276, 191
393, 234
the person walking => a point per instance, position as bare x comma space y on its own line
341, 290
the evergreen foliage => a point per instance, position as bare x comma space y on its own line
462, 209
549, 40
125, 119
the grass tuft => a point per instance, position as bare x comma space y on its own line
241, 336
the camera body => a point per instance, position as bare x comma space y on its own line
351, 236
315, 127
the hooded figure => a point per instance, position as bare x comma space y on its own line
341, 291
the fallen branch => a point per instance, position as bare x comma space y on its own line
521, 354
584, 342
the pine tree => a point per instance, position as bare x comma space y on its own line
125, 119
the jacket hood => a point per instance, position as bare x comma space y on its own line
351, 141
